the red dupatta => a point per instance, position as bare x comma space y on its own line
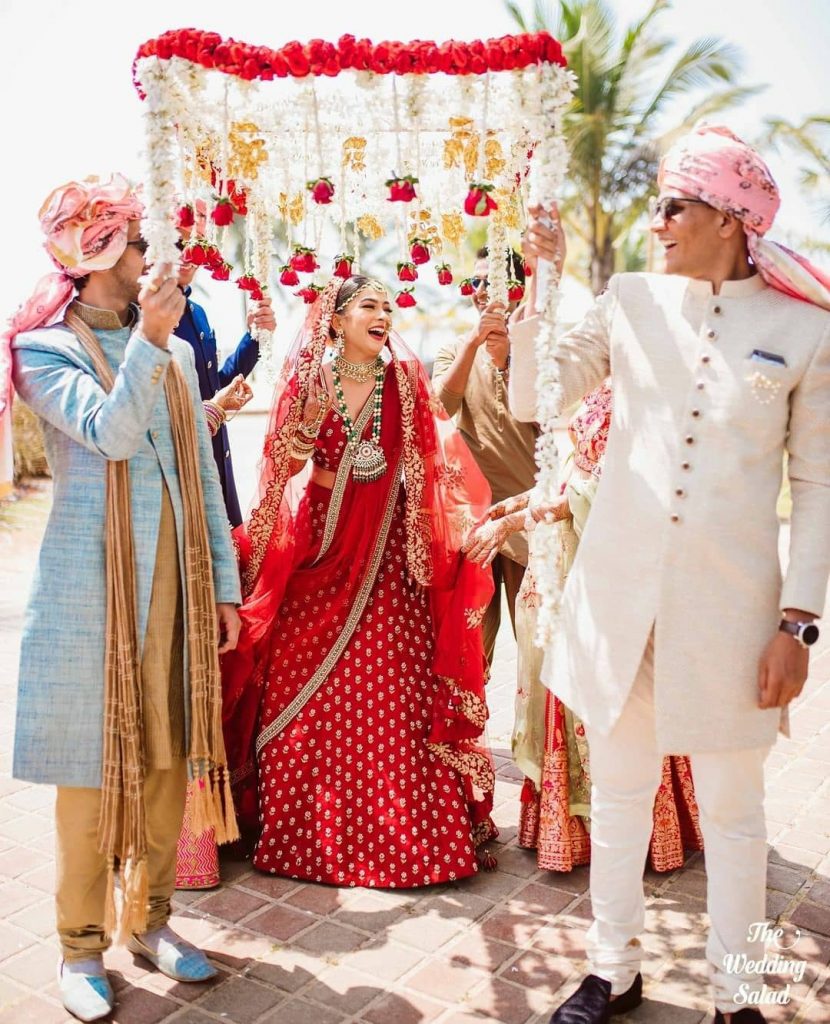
445, 495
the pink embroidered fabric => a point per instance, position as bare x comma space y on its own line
713, 164
589, 429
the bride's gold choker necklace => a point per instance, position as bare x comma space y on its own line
359, 372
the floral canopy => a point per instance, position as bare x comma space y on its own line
354, 141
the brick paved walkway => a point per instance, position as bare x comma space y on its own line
505, 946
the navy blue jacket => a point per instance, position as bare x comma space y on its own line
195, 329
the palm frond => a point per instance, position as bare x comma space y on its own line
704, 62
516, 13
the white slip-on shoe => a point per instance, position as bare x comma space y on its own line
85, 989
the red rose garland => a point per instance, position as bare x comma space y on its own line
317, 57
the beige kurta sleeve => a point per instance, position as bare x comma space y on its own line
583, 355
808, 445
443, 361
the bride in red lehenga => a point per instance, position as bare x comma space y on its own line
354, 704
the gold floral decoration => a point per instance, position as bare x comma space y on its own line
291, 208
452, 228
494, 161
370, 227
354, 153
247, 150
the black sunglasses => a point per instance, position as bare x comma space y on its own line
669, 206
140, 244
477, 282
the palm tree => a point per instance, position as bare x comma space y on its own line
810, 144
624, 113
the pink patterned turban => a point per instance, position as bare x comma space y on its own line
85, 224
713, 164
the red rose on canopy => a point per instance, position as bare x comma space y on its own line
402, 189
407, 272
185, 218
309, 293
479, 202
419, 251
343, 265
222, 272
515, 291
248, 283
303, 260
222, 213
196, 253
405, 298
213, 257
444, 274
467, 287
321, 189
288, 276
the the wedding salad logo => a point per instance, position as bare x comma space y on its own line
780, 960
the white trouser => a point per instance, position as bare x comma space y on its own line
625, 774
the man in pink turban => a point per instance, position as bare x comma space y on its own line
678, 633
135, 593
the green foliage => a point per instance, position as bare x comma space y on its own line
632, 98
809, 142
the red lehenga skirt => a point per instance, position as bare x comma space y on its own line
197, 857
350, 792
561, 839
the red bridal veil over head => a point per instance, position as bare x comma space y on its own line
445, 496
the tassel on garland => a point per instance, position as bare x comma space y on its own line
211, 806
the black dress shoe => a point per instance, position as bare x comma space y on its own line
592, 1003
747, 1015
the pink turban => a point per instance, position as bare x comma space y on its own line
713, 164
85, 224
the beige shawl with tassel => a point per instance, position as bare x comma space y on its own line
121, 828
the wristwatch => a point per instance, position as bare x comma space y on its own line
805, 633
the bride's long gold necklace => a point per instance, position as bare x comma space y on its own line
362, 373
368, 459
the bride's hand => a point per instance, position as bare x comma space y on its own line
518, 503
315, 408
485, 541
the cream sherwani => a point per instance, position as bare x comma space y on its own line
683, 534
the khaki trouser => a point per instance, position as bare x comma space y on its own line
81, 868
507, 574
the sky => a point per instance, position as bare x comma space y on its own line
68, 107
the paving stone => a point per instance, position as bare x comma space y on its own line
403, 1007
280, 922
241, 999
12, 940
371, 913
140, 1006
787, 880
329, 938
231, 904
386, 961
343, 990
446, 981
297, 1011
34, 967
270, 886
316, 899
33, 1010
285, 969
499, 1001
474, 949
812, 916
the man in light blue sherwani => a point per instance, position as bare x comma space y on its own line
93, 237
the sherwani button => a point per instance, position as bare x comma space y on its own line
680, 492
705, 359
689, 439
210, 364
696, 413
685, 465
700, 385
717, 309
201, 335
711, 335
675, 518
227, 454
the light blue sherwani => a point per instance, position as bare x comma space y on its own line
59, 733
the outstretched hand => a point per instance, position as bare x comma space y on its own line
236, 395
782, 671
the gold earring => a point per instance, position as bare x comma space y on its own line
339, 340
